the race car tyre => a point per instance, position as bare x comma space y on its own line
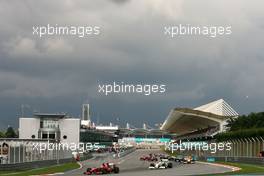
152, 165
104, 171
116, 170
170, 165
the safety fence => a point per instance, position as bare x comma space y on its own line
32, 165
246, 147
246, 150
14, 151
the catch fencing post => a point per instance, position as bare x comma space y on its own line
239, 148
261, 148
19, 151
9, 153
237, 153
247, 148
23, 154
233, 148
236, 145
229, 152
251, 142
1, 152
253, 147
31, 153
257, 146
14, 153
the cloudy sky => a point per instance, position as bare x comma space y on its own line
59, 73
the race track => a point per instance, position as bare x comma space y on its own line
130, 165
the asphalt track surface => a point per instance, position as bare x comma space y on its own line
130, 165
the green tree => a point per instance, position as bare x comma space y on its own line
10, 133
244, 126
2, 135
253, 120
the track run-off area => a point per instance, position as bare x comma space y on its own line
130, 165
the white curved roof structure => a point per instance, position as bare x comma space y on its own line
218, 107
185, 120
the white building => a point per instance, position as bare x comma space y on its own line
50, 126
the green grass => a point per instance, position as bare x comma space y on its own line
45, 170
245, 169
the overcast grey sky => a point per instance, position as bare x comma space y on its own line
59, 73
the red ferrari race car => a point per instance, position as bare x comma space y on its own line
149, 157
106, 168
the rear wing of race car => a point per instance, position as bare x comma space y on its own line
165, 160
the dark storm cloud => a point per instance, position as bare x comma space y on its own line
120, 1
58, 74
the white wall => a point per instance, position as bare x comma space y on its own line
28, 127
70, 128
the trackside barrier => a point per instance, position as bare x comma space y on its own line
32, 165
246, 150
23, 154
243, 148
39, 164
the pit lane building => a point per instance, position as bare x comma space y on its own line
46, 126
211, 118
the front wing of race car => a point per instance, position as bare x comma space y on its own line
160, 165
154, 166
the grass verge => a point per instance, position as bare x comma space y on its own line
44, 170
245, 169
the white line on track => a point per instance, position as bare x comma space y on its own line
233, 168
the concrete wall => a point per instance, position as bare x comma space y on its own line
28, 127
71, 129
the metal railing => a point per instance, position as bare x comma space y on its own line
13, 151
246, 147
246, 150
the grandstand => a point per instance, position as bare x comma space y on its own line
97, 136
144, 133
201, 134
202, 122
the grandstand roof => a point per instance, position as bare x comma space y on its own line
184, 120
218, 107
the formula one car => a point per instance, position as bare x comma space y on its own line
163, 164
188, 160
150, 157
179, 158
106, 168
170, 158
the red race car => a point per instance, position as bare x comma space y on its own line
106, 168
149, 157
